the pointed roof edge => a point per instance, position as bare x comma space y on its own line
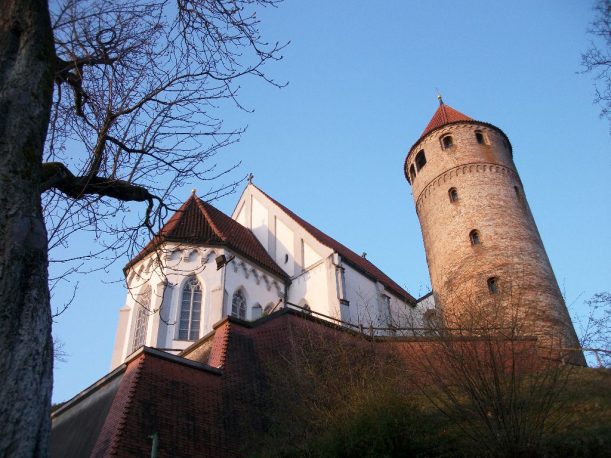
238, 238
364, 265
210, 219
444, 116
161, 236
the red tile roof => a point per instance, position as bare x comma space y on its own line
199, 223
444, 115
359, 262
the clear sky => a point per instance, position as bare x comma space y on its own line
362, 86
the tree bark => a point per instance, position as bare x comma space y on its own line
26, 85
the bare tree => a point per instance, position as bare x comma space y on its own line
595, 328
597, 58
327, 380
482, 368
103, 103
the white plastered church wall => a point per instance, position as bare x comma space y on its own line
179, 264
259, 286
313, 267
182, 263
312, 287
145, 273
294, 249
371, 303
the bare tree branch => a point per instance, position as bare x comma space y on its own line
597, 58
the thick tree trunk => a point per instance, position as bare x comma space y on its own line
26, 359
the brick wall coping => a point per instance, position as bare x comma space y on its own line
178, 359
351, 331
89, 390
121, 369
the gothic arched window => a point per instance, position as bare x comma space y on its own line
453, 194
143, 306
190, 310
238, 305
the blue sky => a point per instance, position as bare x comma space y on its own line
362, 86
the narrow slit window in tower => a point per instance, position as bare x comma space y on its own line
412, 172
474, 237
493, 285
447, 142
479, 137
453, 194
517, 190
420, 160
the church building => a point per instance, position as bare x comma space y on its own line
212, 297
272, 258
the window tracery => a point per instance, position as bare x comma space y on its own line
238, 305
143, 306
190, 310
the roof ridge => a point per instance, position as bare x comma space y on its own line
174, 219
202, 206
444, 114
218, 352
113, 427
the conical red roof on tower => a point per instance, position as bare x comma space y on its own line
444, 115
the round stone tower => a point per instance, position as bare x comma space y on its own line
485, 256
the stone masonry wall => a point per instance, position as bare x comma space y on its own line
491, 200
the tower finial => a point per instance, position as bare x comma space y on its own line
250, 177
193, 191
439, 97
